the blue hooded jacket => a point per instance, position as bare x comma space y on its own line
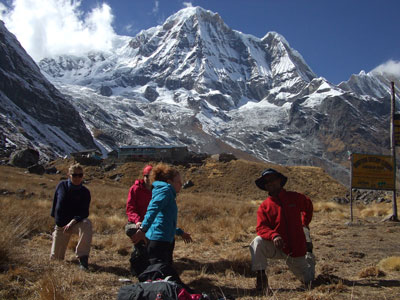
162, 214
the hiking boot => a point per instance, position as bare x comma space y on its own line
262, 283
84, 263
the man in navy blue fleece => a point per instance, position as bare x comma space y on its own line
70, 211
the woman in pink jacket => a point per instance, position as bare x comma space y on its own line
139, 197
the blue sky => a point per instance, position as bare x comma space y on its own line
337, 38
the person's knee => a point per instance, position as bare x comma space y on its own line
256, 243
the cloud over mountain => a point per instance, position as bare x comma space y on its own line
59, 27
390, 67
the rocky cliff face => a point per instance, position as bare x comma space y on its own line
33, 112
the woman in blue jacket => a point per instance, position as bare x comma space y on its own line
159, 226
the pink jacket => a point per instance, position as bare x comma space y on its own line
138, 200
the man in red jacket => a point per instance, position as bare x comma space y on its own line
139, 197
282, 231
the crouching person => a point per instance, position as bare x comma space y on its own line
139, 197
282, 231
71, 210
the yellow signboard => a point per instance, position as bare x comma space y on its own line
396, 129
374, 172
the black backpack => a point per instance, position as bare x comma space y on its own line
150, 290
159, 270
162, 270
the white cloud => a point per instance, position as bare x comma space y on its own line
391, 67
129, 28
51, 27
156, 7
187, 4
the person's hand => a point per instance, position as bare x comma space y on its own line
68, 226
138, 225
138, 236
279, 242
187, 238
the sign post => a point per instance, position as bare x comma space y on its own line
394, 141
377, 172
371, 172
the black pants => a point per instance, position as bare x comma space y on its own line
160, 251
139, 259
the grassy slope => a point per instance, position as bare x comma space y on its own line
219, 211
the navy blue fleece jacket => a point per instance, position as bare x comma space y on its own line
70, 202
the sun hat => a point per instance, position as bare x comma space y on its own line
147, 169
261, 181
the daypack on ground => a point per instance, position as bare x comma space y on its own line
158, 289
150, 290
159, 271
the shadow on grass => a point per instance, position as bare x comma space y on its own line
207, 286
109, 269
243, 269
239, 267
326, 279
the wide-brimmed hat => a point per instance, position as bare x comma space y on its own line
262, 180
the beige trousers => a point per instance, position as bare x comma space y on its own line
303, 267
60, 239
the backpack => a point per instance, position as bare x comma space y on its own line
157, 271
157, 290
162, 270
150, 290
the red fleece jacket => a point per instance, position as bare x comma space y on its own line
285, 215
138, 200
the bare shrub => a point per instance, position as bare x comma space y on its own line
371, 272
14, 230
49, 288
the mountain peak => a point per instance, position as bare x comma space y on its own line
195, 14
189, 12
272, 35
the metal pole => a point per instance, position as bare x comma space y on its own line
351, 189
393, 145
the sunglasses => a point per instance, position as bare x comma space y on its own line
80, 175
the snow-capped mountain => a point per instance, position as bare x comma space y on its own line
33, 113
194, 81
375, 84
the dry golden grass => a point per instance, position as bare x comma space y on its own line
390, 263
376, 210
220, 213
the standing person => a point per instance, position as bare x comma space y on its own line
282, 231
136, 206
158, 228
71, 210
